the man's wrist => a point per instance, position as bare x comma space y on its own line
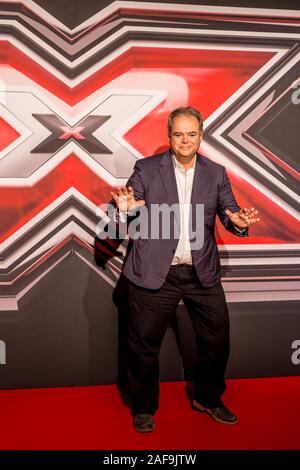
120, 216
239, 229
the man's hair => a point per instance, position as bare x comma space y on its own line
188, 111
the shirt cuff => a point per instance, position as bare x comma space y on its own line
240, 230
122, 216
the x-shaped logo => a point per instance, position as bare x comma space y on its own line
61, 134
50, 132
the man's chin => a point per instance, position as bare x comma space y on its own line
186, 154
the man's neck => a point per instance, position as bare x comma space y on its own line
186, 164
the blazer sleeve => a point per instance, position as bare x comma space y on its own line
137, 181
226, 200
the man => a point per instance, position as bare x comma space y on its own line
163, 270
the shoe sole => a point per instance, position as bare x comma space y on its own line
143, 431
202, 409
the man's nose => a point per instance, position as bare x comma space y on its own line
185, 138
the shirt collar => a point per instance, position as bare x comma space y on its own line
181, 167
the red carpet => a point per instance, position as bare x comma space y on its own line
95, 418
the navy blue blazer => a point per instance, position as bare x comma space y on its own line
154, 180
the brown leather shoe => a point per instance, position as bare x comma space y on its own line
143, 422
222, 414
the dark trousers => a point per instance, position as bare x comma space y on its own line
150, 313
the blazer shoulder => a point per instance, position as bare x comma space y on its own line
211, 165
149, 163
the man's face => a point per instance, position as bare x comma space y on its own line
185, 136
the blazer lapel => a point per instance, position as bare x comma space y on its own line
200, 180
167, 173
199, 188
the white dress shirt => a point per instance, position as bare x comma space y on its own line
184, 180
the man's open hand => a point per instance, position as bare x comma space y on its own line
244, 217
124, 199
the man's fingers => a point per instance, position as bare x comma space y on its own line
228, 212
250, 210
124, 198
123, 191
254, 220
140, 203
244, 217
241, 214
119, 191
